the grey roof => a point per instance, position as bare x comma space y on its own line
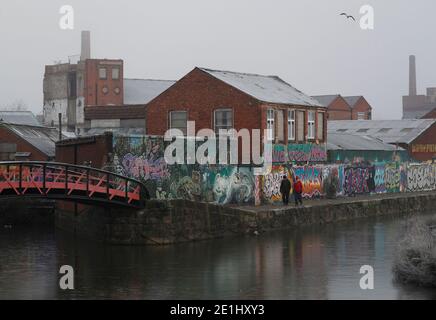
417, 112
42, 138
142, 91
270, 89
352, 100
326, 100
19, 117
389, 131
119, 131
341, 141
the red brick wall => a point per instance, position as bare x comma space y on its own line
339, 110
200, 94
7, 136
84, 150
428, 138
362, 106
94, 94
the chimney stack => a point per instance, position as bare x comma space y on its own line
86, 46
412, 76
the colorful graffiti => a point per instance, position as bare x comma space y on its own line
272, 181
392, 177
356, 180
421, 177
311, 177
299, 153
379, 178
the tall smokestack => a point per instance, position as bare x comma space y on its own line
86, 46
412, 76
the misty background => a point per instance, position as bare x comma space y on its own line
305, 42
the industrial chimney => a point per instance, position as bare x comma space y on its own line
86, 46
412, 76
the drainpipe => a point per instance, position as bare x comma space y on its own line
60, 126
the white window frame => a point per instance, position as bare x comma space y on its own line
291, 125
112, 73
170, 120
270, 124
311, 130
216, 127
361, 116
100, 69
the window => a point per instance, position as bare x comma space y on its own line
270, 125
384, 130
342, 130
102, 73
361, 116
223, 119
291, 125
320, 126
311, 125
179, 120
300, 126
362, 130
115, 73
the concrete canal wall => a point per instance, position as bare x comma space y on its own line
176, 221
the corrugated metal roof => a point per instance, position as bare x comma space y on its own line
326, 100
389, 131
352, 100
19, 117
417, 112
270, 89
142, 91
42, 138
340, 141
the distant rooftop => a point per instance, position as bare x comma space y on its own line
19, 117
418, 112
142, 91
326, 100
389, 131
42, 138
270, 89
343, 141
352, 100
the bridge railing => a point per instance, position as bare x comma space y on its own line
69, 182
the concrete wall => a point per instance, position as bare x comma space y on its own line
169, 222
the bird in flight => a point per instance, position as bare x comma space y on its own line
348, 16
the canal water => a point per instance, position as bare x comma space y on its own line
320, 262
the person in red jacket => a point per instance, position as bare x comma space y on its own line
298, 191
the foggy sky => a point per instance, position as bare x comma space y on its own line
305, 42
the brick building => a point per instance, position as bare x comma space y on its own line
337, 107
360, 108
69, 88
224, 100
346, 108
27, 142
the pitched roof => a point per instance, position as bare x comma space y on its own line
389, 131
142, 91
115, 112
270, 89
352, 100
326, 100
19, 117
418, 112
42, 138
343, 141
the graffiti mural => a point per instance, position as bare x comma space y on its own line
421, 177
356, 180
272, 181
311, 177
379, 178
392, 177
335, 172
299, 153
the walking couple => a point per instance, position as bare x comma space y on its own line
285, 190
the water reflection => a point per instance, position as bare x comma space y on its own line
311, 263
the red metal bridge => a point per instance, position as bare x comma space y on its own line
62, 181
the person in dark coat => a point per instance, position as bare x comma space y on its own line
285, 190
